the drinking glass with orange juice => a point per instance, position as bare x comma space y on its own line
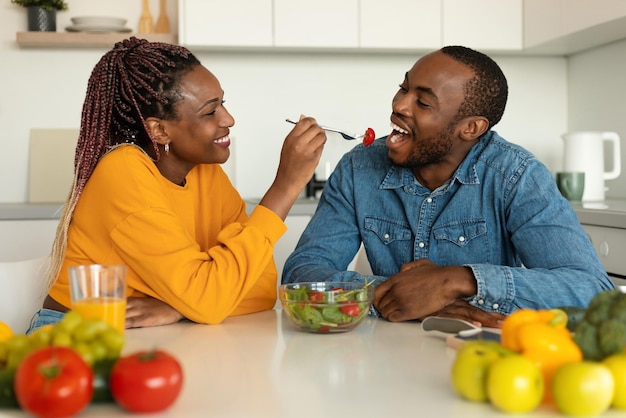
98, 291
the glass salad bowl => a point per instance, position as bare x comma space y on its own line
326, 307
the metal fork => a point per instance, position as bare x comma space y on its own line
342, 133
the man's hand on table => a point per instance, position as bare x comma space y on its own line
423, 288
461, 309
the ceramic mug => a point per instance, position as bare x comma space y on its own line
571, 184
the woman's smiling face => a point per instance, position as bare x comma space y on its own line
200, 133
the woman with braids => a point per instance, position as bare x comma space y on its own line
149, 192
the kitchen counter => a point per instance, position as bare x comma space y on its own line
24, 211
259, 366
609, 213
302, 207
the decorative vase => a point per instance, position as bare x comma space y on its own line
163, 22
146, 23
41, 20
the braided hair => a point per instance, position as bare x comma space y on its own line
135, 80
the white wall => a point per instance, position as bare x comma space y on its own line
44, 88
597, 99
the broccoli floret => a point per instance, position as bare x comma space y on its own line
586, 337
618, 308
602, 331
611, 336
600, 306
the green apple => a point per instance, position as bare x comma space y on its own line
469, 369
515, 384
617, 364
583, 388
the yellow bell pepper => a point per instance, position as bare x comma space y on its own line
541, 336
5, 331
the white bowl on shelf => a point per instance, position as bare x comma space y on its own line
95, 21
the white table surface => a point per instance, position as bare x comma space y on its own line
258, 366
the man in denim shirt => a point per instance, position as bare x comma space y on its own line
455, 220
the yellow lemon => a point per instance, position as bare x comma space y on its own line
617, 364
515, 384
583, 388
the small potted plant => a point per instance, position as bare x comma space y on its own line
42, 13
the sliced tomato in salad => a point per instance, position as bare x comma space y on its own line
316, 296
352, 310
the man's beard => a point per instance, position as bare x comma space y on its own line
431, 150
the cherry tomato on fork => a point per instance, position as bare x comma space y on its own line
369, 137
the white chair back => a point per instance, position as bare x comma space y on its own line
22, 290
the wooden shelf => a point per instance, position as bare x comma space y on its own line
83, 39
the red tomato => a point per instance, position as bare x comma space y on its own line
350, 310
146, 381
316, 296
369, 137
53, 382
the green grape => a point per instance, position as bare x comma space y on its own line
40, 338
89, 329
69, 322
98, 350
114, 341
15, 357
4, 352
17, 342
84, 350
62, 339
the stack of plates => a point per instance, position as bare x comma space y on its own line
97, 24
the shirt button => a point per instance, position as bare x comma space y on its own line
495, 306
386, 236
462, 238
429, 200
421, 245
481, 302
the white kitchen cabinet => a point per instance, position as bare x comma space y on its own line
582, 14
400, 24
316, 23
232, 23
568, 26
553, 27
542, 21
483, 24
26, 239
605, 224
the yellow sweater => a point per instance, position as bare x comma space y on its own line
193, 247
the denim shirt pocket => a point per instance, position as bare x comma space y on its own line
390, 241
461, 234
388, 231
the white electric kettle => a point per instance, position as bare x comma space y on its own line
584, 151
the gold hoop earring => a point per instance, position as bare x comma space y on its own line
167, 148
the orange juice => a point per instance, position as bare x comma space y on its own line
110, 310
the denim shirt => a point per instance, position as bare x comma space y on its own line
500, 214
